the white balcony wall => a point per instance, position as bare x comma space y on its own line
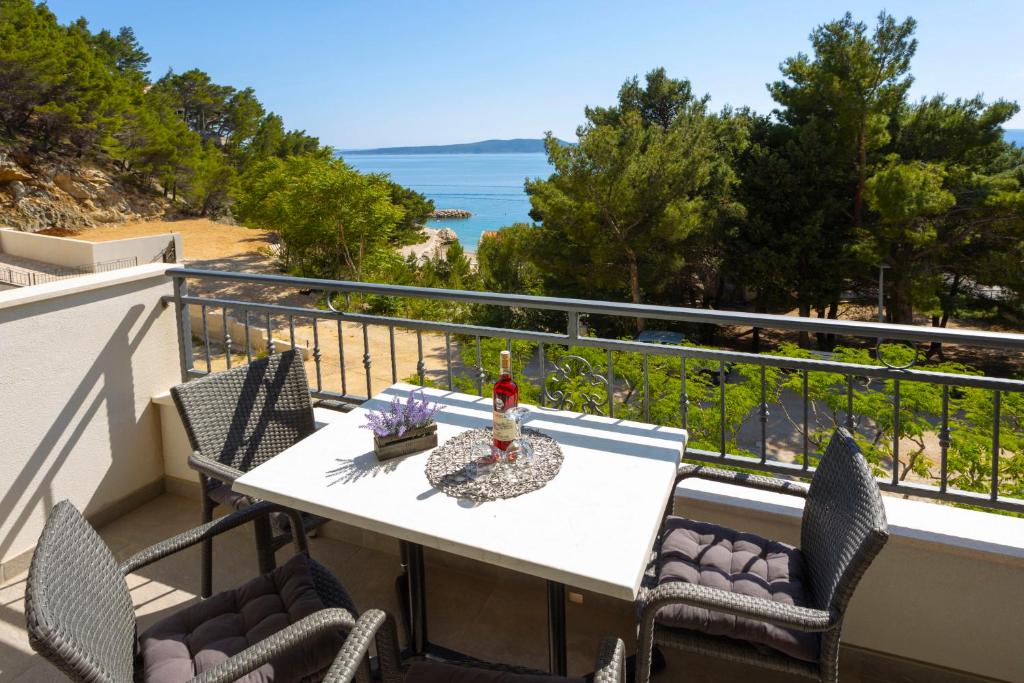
80, 360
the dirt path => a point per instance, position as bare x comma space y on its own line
214, 246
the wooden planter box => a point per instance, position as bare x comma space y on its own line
387, 447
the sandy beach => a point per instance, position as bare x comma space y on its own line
431, 246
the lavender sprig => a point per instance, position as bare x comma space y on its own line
399, 418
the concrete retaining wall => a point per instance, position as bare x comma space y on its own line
72, 253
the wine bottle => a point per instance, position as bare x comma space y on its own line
506, 398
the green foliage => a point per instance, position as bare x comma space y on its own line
505, 260
332, 220
124, 53
209, 181
971, 419
66, 86
647, 177
56, 86
416, 208
524, 354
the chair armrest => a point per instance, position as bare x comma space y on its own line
331, 404
298, 635
193, 536
787, 616
355, 650
212, 468
752, 481
611, 662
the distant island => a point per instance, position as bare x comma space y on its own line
515, 146
536, 145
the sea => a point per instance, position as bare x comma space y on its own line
490, 186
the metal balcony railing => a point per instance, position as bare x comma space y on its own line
23, 277
696, 366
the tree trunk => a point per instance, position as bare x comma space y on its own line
805, 312
833, 314
820, 337
901, 309
756, 334
862, 164
634, 284
948, 304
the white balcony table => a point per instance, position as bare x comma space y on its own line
591, 527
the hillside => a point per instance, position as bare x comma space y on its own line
62, 190
515, 146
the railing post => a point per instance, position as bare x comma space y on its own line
184, 327
996, 419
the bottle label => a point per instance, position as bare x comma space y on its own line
505, 428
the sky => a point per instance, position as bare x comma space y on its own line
361, 74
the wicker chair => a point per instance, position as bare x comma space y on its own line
788, 617
236, 420
80, 617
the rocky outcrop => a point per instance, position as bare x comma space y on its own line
447, 236
11, 172
450, 213
67, 193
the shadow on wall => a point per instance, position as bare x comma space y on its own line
109, 384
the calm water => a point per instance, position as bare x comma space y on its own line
488, 185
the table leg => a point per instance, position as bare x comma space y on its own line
402, 591
556, 628
417, 597
264, 544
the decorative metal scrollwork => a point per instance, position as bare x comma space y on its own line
907, 366
572, 384
332, 307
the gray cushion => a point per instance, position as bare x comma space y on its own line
200, 637
712, 555
440, 672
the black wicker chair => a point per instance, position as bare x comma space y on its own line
783, 607
236, 420
80, 617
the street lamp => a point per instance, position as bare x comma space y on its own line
881, 292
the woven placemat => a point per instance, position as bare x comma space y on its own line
449, 465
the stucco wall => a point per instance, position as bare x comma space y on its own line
68, 252
80, 360
145, 249
60, 251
